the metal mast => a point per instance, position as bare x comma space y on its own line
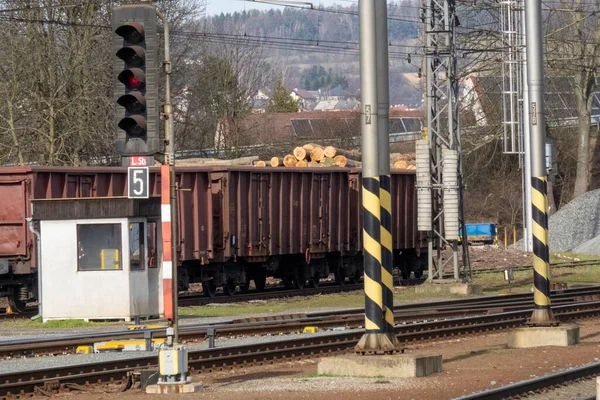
443, 134
542, 313
515, 120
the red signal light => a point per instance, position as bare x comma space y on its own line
134, 83
133, 79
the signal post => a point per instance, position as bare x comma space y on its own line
135, 77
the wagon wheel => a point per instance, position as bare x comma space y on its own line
299, 280
355, 278
16, 305
287, 281
209, 288
418, 272
260, 281
245, 286
229, 288
340, 279
314, 281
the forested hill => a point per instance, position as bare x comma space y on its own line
336, 23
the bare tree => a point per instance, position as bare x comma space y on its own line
573, 46
56, 96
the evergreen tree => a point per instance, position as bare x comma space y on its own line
281, 101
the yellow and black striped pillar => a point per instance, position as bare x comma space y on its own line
372, 255
542, 313
387, 280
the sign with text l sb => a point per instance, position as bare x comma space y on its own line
137, 182
138, 161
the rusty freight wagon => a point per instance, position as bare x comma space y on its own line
236, 224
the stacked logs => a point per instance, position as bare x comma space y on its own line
313, 155
406, 161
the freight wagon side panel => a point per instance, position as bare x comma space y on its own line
200, 215
404, 211
14, 233
286, 211
355, 212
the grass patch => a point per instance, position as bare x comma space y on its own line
58, 324
568, 256
494, 281
307, 304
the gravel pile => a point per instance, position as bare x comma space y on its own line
575, 223
591, 247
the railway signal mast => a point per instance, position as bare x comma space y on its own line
138, 138
136, 81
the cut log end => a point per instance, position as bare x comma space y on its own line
401, 165
301, 164
299, 153
308, 147
340, 161
330, 151
276, 162
317, 154
261, 164
289, 161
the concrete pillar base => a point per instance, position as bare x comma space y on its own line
174, 388
392, 366
561, 335
448, 286
378, 343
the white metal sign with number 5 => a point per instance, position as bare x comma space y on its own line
138, 180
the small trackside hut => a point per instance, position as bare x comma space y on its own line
99, 258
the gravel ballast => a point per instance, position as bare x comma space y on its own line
575, 223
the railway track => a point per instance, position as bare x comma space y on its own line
283, 324
187, 300
202, 361
4, 315
200, 300
565, 264
537, 385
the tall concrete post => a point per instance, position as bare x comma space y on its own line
383, 137
375, 339
542, 313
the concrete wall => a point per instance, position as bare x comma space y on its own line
110, 294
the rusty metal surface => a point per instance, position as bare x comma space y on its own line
225, 211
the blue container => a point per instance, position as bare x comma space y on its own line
481, 233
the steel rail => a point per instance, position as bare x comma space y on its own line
199, 299
352, 318
17, 383
536, 384
565, 264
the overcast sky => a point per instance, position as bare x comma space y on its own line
219, 6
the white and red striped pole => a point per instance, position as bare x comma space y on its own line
167, 259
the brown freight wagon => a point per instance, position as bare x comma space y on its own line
236, 224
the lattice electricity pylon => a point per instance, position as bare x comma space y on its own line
511, 14
443, 130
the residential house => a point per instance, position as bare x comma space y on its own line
260, 101
306, 100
